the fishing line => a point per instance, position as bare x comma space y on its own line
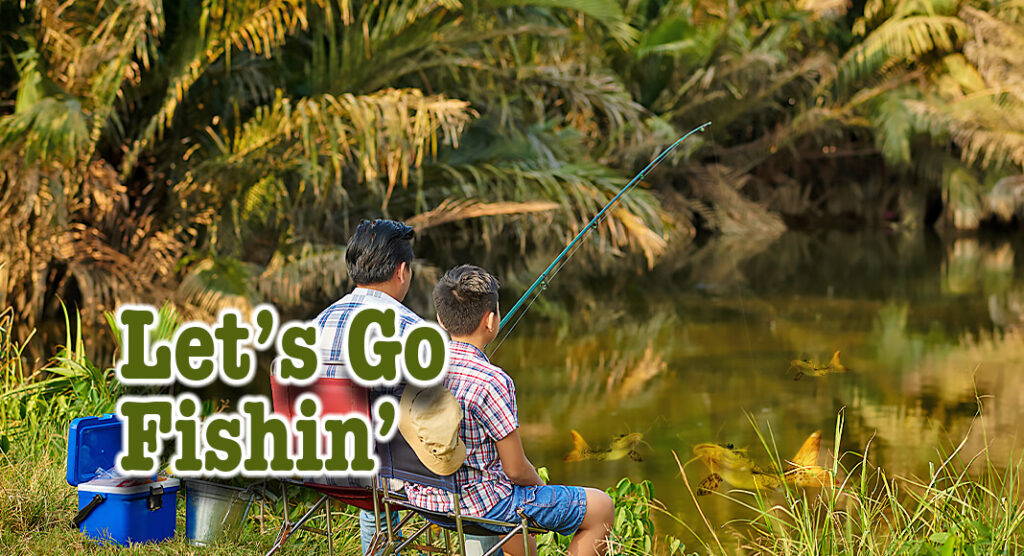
536, 294
569, 250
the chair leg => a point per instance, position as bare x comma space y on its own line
263, 506
412, 538
330, 532
282, 533
375, 487
458, 523
526, 534
284, 497
387, 519
494, 551
290, 529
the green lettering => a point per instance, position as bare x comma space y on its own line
145, 420
386, 410
221, 434
237, 364
341, 431
309, 437
134, 340
290, 336
263, 426
187, 424
386, 370
435, 363
194, 341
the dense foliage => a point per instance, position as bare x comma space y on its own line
219, 152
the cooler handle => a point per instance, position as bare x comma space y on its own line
83, 514
156, 498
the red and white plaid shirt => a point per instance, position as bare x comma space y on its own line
489, 414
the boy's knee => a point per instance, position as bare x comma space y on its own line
601, 505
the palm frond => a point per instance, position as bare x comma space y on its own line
606, 12
254, 26
901, 40
310, 272
451, 210
381, 135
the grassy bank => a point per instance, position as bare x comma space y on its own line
37, 405
970, 501
36, 506
968, 504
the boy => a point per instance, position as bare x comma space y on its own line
497, 480
379, 260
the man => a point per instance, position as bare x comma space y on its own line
379, 260
497, 481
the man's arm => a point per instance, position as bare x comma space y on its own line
514, 462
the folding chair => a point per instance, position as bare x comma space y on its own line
398, 461
337, 395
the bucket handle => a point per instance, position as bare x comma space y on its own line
83, 514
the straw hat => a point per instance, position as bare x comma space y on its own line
430, 421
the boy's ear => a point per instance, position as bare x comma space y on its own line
441, 323
491, 320
485, 323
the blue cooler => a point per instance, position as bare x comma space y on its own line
118, 510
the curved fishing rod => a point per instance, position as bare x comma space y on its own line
576, 241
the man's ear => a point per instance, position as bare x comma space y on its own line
491, 321
400, 271
441, 323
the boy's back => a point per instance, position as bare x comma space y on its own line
497, 480
487, 396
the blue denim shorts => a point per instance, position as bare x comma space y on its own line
553, 507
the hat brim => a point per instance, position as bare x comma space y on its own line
443, 466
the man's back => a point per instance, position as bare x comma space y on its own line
332, 324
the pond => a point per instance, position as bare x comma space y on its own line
699, 350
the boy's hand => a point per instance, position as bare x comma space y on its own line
514, 462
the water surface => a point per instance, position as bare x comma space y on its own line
698, 348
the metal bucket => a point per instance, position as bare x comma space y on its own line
212, 509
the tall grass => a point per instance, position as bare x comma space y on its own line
966, 505
37, 504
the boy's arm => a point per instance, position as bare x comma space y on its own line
514, 461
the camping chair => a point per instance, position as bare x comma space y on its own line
337, 395
398, 461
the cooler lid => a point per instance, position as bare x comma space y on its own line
93, 443
128, 486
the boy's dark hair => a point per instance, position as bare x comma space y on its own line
376, 249
463, 296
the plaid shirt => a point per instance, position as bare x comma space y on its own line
332, 325
488, 398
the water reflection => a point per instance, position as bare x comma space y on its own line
694, 350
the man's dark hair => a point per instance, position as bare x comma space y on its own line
376, 250
463, 296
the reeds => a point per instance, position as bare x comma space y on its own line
967, 504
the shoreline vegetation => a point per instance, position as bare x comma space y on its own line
969, 503
219, 153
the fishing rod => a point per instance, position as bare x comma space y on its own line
566, 253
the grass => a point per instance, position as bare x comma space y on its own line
37, 504
967, 505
